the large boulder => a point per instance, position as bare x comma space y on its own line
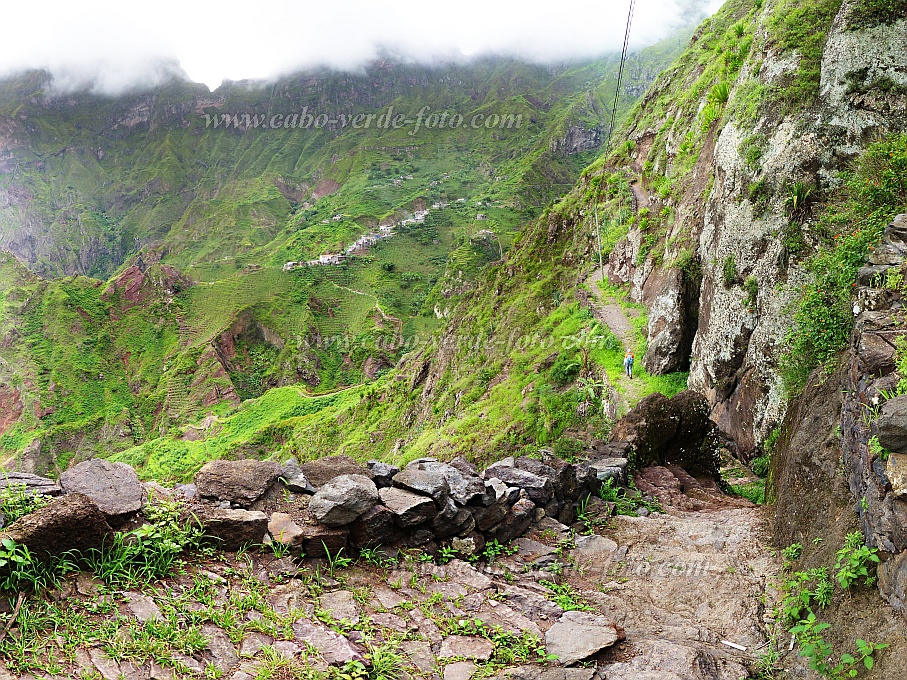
320, 472
343, 499
383, 473
241, 482
893, 581
294, 478
72, 522
232, 529
284, 530
114, 487
319, 539
675, 430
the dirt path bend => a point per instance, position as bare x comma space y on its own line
609, 312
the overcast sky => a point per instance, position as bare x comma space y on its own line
119, 45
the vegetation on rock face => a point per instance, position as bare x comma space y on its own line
803, 593
800, 28
865, 14
874, 191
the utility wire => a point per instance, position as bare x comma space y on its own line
620, 78
620, 73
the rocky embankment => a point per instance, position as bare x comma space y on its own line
628, 583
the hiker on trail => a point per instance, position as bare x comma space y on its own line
628, 363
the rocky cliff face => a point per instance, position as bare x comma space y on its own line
721, 193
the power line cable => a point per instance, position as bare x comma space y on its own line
620, 73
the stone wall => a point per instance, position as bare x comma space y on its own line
336, 503
850, 424
325, 505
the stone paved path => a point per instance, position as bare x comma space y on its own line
668, 588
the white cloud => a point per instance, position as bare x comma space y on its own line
113, 46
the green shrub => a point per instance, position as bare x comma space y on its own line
801, 25
874, 192
148, 553
564, 370
754, 492
751, 286
760, 465
710, 113
729, 271
751, 150
759, 194
856, 561
720, 94
799, 195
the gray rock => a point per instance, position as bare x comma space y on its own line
549, 673
317, 538
420, 655
515, 523
320, 472
232, 529
392, 621
241, 482
489, 517
186, 490
343, 499
114, 487
341, 605
465, 487
424, 478
459, 670
294, 478
223, 653
610, 468
71, 522
374, 528
460, 524
476, 648
579, 635
892, 424
382, 472
254, 643
467, 575
535, 553
467, 546
143, 607
896, 473
409, 509
335, 649
893, 581
539, 489
34, 484
503, 463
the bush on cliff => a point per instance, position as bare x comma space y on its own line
874, 191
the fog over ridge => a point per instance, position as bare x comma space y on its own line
112, 47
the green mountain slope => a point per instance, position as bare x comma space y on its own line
194, 226
526, 360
